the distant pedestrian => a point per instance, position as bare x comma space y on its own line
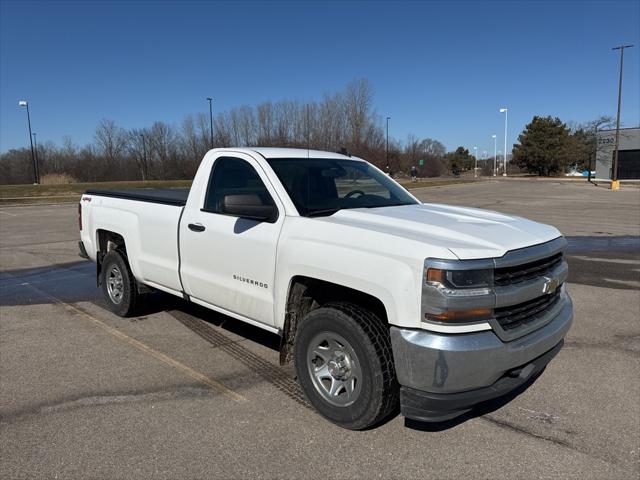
414, 174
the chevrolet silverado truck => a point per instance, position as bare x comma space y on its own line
379, 300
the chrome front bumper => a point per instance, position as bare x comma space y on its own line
444, 364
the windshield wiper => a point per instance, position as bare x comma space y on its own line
323, 212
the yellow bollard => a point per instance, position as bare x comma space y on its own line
615, 184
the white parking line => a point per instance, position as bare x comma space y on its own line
10, 214
167, 360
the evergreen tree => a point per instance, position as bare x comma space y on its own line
545, 147
460, 160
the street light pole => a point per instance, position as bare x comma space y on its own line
387, 149
495, 154
36, 175
144, 158
506, 114
475, 155
614, 173
35, 149
210, 120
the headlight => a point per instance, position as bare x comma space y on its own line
460, 282
456, 293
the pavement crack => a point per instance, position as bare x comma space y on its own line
504, 424
519, 429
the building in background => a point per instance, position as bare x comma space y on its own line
628, 156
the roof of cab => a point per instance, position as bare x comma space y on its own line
273, 152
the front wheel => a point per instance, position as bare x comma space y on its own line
119, 285
345, 365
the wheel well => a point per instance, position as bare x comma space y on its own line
306, 294
107, 241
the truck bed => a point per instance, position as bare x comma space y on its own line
167, 196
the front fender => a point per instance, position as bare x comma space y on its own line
394, 280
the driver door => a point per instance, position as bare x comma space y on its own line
227, 261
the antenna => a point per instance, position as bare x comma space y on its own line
344, 151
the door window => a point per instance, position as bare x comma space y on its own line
233, 176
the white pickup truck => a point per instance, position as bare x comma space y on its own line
379, 299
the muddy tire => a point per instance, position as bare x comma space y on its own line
344, 363
119, 285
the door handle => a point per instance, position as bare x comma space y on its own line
196, 227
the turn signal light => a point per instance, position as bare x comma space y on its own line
435, 275
460, 316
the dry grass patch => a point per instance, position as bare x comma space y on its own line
57, 179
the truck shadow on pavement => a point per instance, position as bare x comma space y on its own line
76, 282
68, 282
228, 324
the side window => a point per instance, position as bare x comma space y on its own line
232, 176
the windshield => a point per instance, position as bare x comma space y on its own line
324, 186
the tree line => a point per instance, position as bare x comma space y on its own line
344, 120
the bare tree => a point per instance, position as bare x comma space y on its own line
222, 131
162, 149
202, 121
137, 149
265, 121
357, 103
110, 139
193, 144
246, 126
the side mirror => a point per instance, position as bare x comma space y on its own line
249, 206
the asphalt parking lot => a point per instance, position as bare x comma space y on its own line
181, 392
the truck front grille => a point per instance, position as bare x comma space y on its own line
523, 313
506, 276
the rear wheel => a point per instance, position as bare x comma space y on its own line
345, 365
119, 285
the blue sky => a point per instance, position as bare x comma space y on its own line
439, 70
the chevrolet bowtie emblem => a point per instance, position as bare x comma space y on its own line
550, 286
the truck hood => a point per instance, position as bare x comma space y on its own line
469, 233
